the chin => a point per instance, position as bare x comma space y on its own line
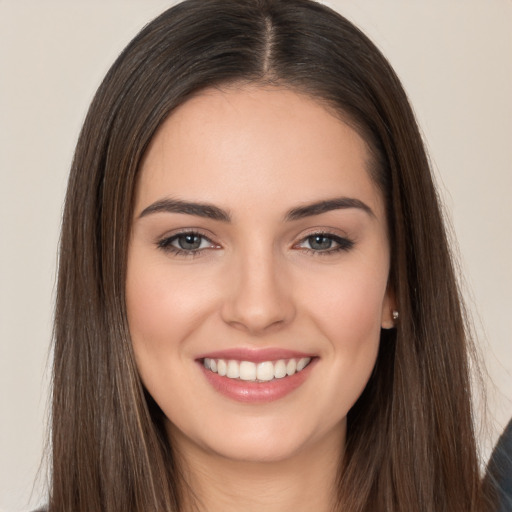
257, 440
253, 451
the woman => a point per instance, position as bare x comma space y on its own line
256, 303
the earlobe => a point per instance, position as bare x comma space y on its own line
390, 319
390, 314
390, 323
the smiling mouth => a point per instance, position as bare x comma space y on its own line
264, 371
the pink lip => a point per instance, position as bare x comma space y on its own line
255, 355
256, 392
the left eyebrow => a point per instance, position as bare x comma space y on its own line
339, 203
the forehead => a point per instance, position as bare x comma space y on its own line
266, 145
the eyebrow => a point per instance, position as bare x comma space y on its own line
210, 211
339, 203
206, 210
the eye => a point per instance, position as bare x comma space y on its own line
186, 243
325, 243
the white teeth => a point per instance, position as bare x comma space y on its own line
265, 371
280, 369
249, 371
222, 367
233, 371
301, 364
291, 367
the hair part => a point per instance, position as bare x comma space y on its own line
410, 440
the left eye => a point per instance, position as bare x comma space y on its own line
323, 242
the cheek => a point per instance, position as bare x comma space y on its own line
163, 306
349, 316
160, 315
349, 303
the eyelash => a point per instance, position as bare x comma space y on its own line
343, 244
165, 244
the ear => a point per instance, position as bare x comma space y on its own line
389, 309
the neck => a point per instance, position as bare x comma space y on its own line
302, 482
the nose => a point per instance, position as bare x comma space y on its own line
258, 295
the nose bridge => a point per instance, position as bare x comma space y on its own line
259, 298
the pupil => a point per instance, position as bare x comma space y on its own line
189, 242
320, 242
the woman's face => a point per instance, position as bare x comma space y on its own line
259, 242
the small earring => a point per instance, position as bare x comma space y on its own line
395, 315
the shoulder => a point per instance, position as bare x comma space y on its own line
499, 469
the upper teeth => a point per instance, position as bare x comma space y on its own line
264, 371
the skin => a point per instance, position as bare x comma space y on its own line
257, 281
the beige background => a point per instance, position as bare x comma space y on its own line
455, 60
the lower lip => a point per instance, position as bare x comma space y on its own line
257, 392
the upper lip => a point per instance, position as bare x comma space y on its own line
255, 355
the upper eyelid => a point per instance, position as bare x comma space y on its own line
186, 231
327, 232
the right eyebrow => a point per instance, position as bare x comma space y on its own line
206, 210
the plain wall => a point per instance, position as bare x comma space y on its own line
455, 60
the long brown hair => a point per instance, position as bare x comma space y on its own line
410, 440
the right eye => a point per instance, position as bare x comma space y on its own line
186, 244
